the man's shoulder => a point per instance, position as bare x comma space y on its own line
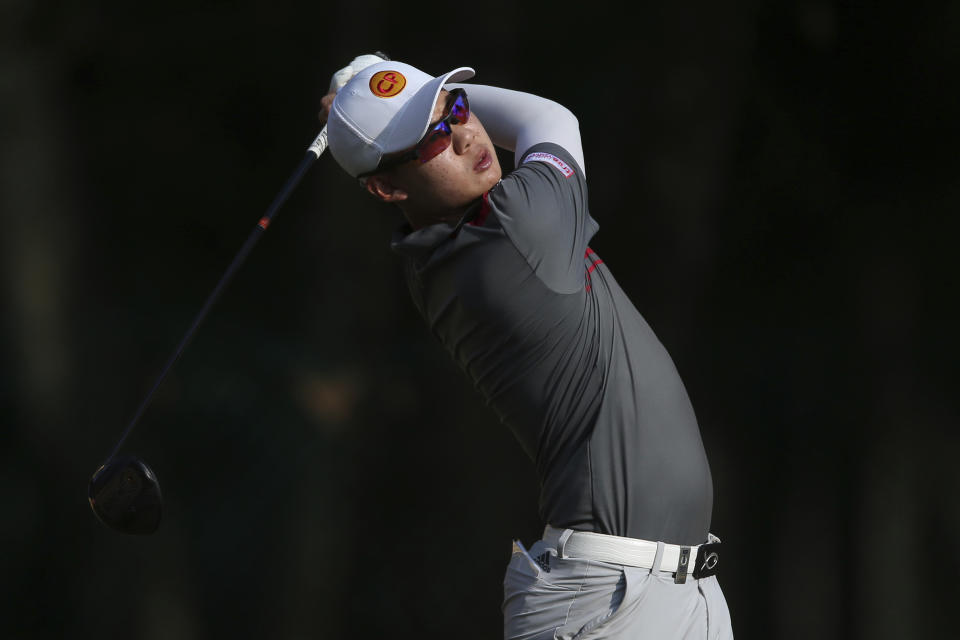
545, 157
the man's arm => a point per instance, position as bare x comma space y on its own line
516, 121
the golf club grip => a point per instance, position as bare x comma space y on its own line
281, 197
320, 144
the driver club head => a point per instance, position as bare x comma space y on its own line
125, 495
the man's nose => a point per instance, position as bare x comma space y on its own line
463, 135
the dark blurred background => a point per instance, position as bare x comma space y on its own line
776, 185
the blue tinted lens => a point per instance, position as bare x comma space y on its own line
460, 109
434, 143
437, 138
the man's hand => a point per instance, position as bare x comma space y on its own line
325, 103
343, 76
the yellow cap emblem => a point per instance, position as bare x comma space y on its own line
387, 84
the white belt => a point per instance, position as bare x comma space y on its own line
631, 552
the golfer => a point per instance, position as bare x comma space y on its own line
501, 269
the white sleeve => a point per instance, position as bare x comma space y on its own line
516, 121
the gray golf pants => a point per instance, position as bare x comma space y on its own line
548, 597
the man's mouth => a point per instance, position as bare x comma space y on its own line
483, 162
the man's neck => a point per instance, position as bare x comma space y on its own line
418, 220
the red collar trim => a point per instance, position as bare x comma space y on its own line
481, 216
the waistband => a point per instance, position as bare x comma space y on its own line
700, 560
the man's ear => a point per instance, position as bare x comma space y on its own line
384, 190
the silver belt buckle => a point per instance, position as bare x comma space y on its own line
708, 560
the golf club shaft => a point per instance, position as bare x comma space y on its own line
313, 152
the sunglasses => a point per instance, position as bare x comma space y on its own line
437, 139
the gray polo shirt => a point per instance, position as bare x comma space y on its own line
536, 320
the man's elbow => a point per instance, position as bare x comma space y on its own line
559, 114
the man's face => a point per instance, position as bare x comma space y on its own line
463, 172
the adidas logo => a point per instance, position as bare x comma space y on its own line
544, 561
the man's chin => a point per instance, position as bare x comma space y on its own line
490, 178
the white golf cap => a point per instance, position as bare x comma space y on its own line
385, 108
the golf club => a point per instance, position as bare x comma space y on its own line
124, 492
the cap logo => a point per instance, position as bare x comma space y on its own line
387, 84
